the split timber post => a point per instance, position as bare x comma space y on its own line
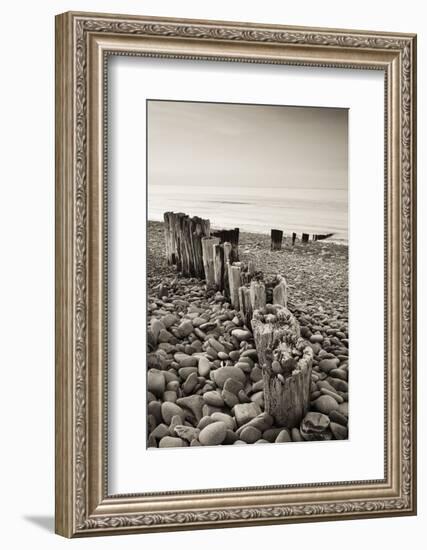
280, 292
208, 259
276, 239
183, 242
227, 253
252, 298
286, 363
305, 237
258, 295
234, 281
245, 305
294, 236
229, 236
218, 258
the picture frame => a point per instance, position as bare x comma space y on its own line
84, 42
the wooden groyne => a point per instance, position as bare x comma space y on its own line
277, 237
183, 242
322, 237
284, 357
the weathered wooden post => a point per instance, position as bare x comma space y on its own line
286, 363
208, 259
257, 295
218, 257
229, 236
304, 237
171, 237
197, 229
280, 292
183, 246
168, 238
245, 305
251, 268
233, 238
227, 253
294, 236
276, 239
235, 283
322, 237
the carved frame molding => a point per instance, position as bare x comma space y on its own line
83, 42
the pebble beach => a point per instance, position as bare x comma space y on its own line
204, 383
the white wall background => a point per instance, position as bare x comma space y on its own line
27, 274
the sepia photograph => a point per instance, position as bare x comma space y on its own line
247, 274
233, 201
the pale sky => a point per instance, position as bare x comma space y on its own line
205, 144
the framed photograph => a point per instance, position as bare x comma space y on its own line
235, 274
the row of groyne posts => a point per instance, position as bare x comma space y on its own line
285, 357
277, 238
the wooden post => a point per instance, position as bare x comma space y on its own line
304, 237
322, 237
170, 229
183, 244
280, 292
251, 268
245, 305
234, 239
235, 283
168, 239
286, 364
218, 257
257, 295
227, 253
197, 229
276, 239
230, 236
208, 260
294, 236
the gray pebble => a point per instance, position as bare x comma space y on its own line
338, 431
245, 412
213, 398
283, 437
227, 419
250, 434
156, 382
325, 404
213, 434
171, 409
223, 373
169, 441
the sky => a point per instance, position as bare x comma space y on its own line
293, 156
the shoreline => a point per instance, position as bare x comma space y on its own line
286, 235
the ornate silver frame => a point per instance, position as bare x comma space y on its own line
83, 506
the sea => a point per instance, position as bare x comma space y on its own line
257, 209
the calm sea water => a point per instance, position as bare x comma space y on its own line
256, 210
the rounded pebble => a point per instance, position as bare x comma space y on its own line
325, 404
250, 434
213, 434
171, 409
283, 437
169, 441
